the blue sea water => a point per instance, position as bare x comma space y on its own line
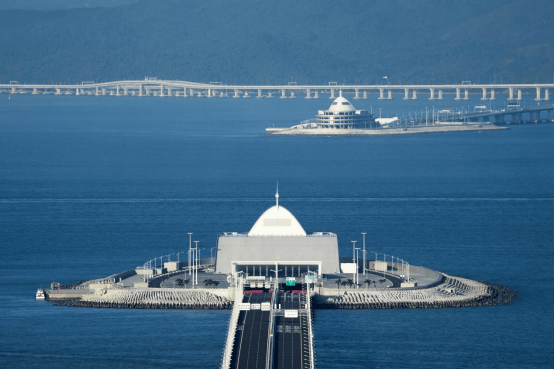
90, 186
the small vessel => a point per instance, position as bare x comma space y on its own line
40, 294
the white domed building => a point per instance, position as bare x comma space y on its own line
342, 114
277, 242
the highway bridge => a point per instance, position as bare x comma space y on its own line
512, 114
151, 86
270, 328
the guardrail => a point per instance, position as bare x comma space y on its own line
271, 328
311, 334
232, 328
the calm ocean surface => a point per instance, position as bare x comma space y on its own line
90, 186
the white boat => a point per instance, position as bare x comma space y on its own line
40, 294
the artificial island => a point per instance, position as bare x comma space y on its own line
272, 278
342, 119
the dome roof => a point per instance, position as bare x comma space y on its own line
340, 104
277, 221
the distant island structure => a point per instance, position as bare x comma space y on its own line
343, 119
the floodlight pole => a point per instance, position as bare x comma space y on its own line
363, 255
196, 259
357, 276
354, 258
190, 249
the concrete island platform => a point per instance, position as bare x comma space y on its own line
410, 130
375, 290
271, 279
278, 253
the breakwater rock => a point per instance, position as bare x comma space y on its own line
453, 292
152, 298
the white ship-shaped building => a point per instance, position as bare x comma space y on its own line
340, 115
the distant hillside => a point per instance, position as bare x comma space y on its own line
251, 41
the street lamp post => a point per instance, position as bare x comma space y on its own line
375, 259
363, 254
357, 277
354, 258
196, 262
190, 249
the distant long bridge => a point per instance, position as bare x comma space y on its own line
166, 88
513, 114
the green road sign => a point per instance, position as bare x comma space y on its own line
291, 281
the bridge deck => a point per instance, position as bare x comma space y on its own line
250, 348
291, 347
292, 343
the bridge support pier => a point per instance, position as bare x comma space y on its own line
13, 90
484, 94
35, 91
414, 95
316, 94
356, 94
96, 91
440, 95
538, 98
365, 95
466, 95
117, 89
519, 95
492, 95
381, 91
406, 94
431, 94
332, 94
546, 97
259, 94
511, 93
517, 118
236, 94
104, 91
500, 119
161, 91
77, 92
125, 91
389, 95
292, 96
308, 94
58, 92
457, 94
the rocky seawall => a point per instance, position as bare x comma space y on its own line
153, 298
453, 292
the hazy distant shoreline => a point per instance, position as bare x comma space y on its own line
385, 131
